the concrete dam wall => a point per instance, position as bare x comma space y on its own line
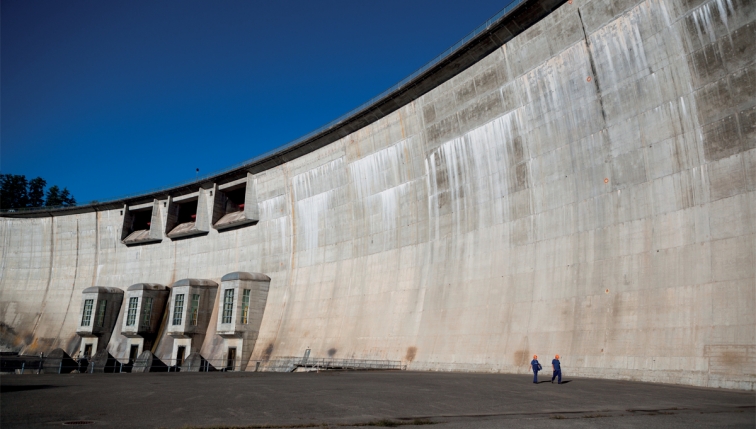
587, 189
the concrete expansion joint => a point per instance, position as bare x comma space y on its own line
594, 78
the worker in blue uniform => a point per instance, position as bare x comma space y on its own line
556, 366
536, 367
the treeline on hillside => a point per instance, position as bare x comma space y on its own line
17, 192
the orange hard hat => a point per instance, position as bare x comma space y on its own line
557, 356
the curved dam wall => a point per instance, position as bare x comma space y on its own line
587, 189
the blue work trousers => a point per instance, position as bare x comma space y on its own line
535, 376
557, 374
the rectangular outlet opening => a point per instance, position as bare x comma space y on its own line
187, 213
137, 224
187, 216
234, 199
142, 220
184, 219
229, 206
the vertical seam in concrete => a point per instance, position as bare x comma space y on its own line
49, 275
73, 285
290, 274
96, 273
593, 66
6, 238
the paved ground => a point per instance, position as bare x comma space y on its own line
343, 399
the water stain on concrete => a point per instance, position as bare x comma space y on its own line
268, 351
521, 357
411, 353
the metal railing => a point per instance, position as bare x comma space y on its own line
291, 364
511, 5
40, 365
30, 364
45, 365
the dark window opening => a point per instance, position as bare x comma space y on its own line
88, 351
187, 212
142, 220
180, 355
234, 200
231, 360
133, 353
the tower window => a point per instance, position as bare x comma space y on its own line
101, 306
146, 311
131, 315
86, 315
178, 309
245, 306
228, 305
195, 309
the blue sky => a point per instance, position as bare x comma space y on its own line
116, 97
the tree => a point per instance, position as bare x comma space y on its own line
66, 199
13, 193
37, 192
53, 197
16, 192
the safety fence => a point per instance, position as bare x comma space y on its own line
291, 364
195, 363
45, 365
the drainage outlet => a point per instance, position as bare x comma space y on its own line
78, 422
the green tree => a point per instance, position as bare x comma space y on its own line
37, 192
66, 199
16, 192
13, 192
53, 197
